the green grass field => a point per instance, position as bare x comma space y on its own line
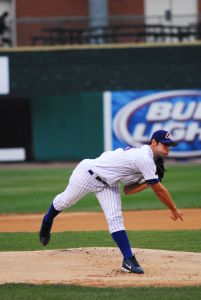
32, 190
68, 292
167, 240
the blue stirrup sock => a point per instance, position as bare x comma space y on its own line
121, 239
51, 214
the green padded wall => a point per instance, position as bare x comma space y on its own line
67, 127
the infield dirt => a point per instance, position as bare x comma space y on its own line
94, 221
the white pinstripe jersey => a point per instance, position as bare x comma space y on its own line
128, 165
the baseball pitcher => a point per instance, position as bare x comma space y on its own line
103, 175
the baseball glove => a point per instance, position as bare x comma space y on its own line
160, 169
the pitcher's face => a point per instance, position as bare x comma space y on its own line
159, 149
163, 149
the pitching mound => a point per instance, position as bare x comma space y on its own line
99, 267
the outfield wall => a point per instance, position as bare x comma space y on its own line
65, 85
52, 71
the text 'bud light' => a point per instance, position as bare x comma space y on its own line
136, 115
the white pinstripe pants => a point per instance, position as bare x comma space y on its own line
82, 183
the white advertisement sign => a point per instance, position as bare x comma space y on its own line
4, 75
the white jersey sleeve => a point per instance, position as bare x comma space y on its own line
145, 164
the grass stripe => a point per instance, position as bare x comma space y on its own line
68, 292
167, 240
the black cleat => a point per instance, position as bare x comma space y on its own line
44, 233
131, 265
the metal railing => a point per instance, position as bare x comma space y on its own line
119, 29
116, 34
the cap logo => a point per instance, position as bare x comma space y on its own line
167, 135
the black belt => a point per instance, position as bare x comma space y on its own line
97, 177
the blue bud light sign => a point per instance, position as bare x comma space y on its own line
131, 117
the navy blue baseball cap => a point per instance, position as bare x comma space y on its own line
163, 137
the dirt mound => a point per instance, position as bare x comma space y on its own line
99, 267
